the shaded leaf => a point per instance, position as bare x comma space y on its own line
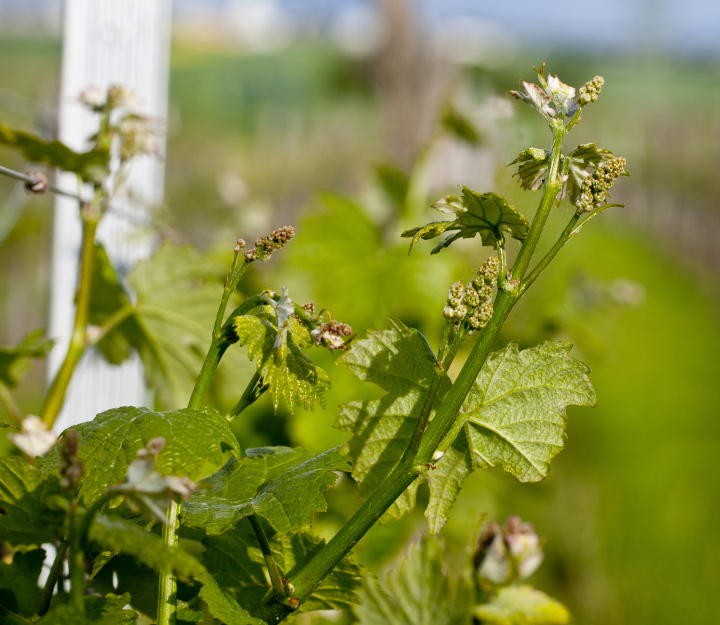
486, 214
223, 606
460, 126
401, 362
534, 164
19, 590
91, 166
22, 519
15, 360
288, 372
394, 182
107, 610
282, 485
515, 417
110, 442
236, 562
522, 605
418, 591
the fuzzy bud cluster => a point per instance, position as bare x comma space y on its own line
590, 91
71, 467
309, 308
332, 335
264, 246
595, 187
473, 303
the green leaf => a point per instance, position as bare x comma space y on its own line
282, 485
288, 372
22, 521
394, 182
170, 325
237, 563
459, 125
106, 298
107, 610
534, 164
418, 591
401, 362
486, 214
19, 591
515, 417
148, 548
15, 360
522, 605
91, 166
110, 442
584, 157
223, 606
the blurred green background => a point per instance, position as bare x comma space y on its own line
257, 140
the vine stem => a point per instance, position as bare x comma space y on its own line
276, 580
55, 395
55, 570
7, 400
250, 396
413, 465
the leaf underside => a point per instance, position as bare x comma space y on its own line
110, 442
522, 605
486, 214
281, 485
515, 417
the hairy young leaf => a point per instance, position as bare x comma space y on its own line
535, 96
237, 564
146, 547
486, 214
169, 323
282, 485
91, 166
418, 592
401, 362
19, 591
22, 521
288, 372
110, 442
515, 417
15, 360
534, 164
522, 605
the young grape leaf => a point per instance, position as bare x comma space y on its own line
146, 547
401, 362
288, 372
583, 157
486, 214
19, 591
15, 360
522, 605
23, 521
169, 324
515, 417
110, 442
534, 164
535, 96
417, 592
91, 166
223, 606
236, 562
283, 486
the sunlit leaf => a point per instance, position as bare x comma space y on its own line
515, 417
522, 605
15, 360
91, 166
535, 96
110, 442
485, 214
401, 362
417, 592
284, 367
283, 486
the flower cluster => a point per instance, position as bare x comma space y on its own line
267, 244
505, 554
473, 303
595, 187
590, 91
71, 467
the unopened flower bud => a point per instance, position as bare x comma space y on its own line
590, 91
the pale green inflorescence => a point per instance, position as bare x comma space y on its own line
473, 302
590, 91
595, 187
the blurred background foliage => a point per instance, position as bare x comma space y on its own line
351, 146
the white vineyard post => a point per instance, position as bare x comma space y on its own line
107, 42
